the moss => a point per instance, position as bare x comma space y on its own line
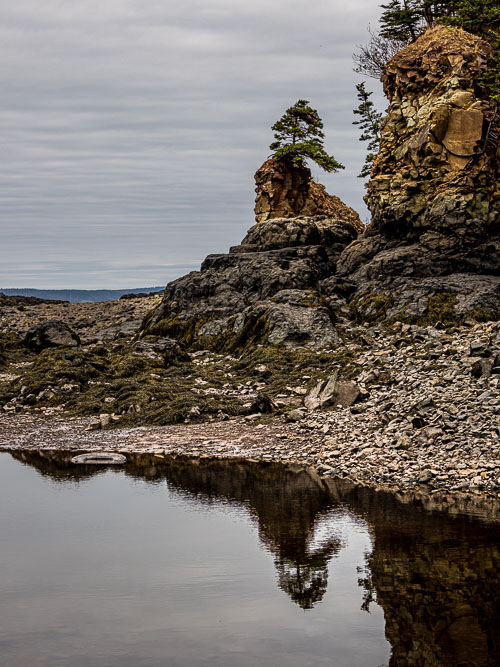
483, 315
59, 366
184, 331
440, 308
370, 307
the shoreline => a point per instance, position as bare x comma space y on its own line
238, 439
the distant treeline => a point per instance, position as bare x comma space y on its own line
78, 295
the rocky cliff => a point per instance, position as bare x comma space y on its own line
286, 190
434, 191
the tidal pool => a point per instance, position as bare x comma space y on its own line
198, 562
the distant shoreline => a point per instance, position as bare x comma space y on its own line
78, 295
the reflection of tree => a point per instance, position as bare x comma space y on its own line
286, 502
305, 578
436, 576
366, 583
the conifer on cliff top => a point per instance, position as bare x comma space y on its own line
299, 135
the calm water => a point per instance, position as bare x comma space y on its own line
174, 563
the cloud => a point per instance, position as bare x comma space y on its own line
131, 130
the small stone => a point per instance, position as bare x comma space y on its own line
425, 476
295, 415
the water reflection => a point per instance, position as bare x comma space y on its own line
436, 576
287, 503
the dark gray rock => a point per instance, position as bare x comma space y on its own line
269, 286
431, 299
53, 333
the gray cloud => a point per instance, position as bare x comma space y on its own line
131, 130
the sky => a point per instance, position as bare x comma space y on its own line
131, 129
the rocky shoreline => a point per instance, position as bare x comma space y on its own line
434, 427
307, 445
418, 407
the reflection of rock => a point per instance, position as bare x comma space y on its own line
287, 502
437, 579
287, 190
434, 190
436, 575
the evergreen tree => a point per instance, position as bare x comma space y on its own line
369, 122
299, 134
400, 21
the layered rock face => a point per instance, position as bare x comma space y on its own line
434, 191
266, 289
285, 190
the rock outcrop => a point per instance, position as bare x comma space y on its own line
434, 191
286, 190
266, 290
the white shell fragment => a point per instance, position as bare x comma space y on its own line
100, 458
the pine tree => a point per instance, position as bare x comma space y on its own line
369, 122
400, 21
299, 134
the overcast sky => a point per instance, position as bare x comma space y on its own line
131, 129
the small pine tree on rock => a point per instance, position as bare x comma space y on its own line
369, 122
299, 135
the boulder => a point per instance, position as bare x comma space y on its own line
332, 392
332, 234
446, 299
52, 333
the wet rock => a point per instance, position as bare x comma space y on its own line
53, 333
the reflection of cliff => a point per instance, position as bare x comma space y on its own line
436, 576
438, 581
286, 502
